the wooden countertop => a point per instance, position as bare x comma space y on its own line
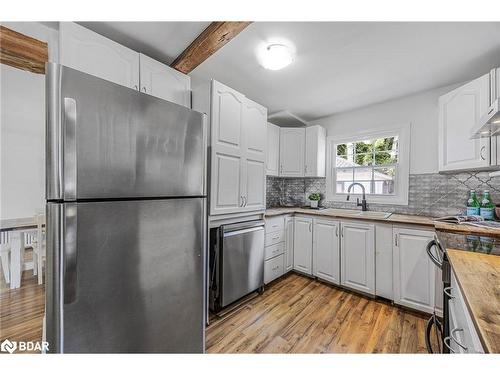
17, 224
392, 219
347, 214
478, 276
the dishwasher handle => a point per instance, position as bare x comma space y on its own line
246, 226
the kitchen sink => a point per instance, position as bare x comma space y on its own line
357, 213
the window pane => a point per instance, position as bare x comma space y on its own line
386, 144
345, 174
387, 173
363, 174
383, 187
386, 157
363, 159
384, 180
363, 147
342, 186
342, 162
357, 190
342, 149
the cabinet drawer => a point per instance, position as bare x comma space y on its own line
463, 329
275, 224
273, 250
273, 268
275, 237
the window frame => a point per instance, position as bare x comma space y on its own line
401, 182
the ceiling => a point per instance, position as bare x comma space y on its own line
342, 66
163, 41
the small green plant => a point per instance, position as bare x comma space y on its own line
315, 197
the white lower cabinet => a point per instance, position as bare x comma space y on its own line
274, 251
414, 272
326, 250
383, 261
289, 243
463, 337
358, 256
302, 244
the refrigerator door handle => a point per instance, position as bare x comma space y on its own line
69, 149
70, 253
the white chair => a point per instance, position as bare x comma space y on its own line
5, 260
39, 248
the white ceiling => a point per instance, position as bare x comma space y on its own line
163, 41
342, 66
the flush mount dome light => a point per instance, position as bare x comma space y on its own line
276, 56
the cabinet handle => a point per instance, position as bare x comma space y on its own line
245, 200
275, 268
395, 240
310, 227
481, 153
337, 231
144, 88
447, 291
455, 340
342, 232
446, 342
241, 200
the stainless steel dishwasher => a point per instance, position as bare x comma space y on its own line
236, 262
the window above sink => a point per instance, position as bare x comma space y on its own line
378, 160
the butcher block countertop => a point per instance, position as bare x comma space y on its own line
478, 276
390, 219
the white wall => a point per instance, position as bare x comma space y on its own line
420, 110
22, 131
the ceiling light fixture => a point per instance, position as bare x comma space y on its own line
276, 56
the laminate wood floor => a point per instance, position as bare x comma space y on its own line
294, 315
300, 315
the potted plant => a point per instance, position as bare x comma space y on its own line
314, 198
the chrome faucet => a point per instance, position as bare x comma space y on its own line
363, 205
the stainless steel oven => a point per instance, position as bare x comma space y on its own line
236, 262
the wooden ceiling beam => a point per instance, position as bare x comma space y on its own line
22, 52
213, 38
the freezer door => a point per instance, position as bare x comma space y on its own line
127, 277
109, 141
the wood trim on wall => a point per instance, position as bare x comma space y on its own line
22, 52
214, 37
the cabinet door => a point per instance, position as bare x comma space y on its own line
315, 153
227, 150
459, 111
289, 243
292, 146
164, 82
254, 119
383, 261
273, 149
302, 245
326, 250
89, 52
358, 256
414, 272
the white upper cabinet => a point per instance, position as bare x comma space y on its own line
273, 149
358, 256
315, 156
292, 150
459, 110
414, 272
326, 250
302, 244
89, 52
238, 142
162, 81
289, 229
254, 162
227, 150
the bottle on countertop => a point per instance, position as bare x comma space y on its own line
473, 205
487, 210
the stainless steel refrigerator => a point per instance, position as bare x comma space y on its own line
126, 219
